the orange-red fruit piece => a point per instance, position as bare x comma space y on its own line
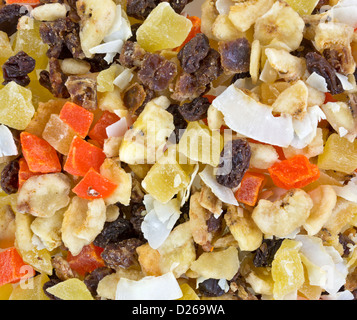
250, 187
296, 172
78, 118
98, 132
87, 260
94, 186
39, 154
13, 268
82, 156
24, 172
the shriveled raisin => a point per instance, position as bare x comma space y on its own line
235, 55
195, 110
193, 52
137, 218
114, 232
97, 63
179, 122
10, 177
210, 68
156, 72
179, 5
238, 76
317, 63
234, 162
264, 256
214, 224
92, 279
122, 254
210, 288
17, 68
9, 16
140, 9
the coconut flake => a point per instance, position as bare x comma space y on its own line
7, 144
184, 194
118, 128
346, 85
123, 79
345, 14
342, 295
224, 6
159, 220
349, 191
252, 119
163, 287
109, 47
223, 193
318, 82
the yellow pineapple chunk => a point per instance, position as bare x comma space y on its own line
302, 7
163, 29
31, 290
339, 155
71, 289
5, 291
188, 293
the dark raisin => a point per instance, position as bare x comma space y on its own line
156, 72
140, 9
179, 122
179, 5
92, 279
9, 16
83, 91
131, 55
193, 52
340, 59
317, 63
17, 68
10, 177
235, 55
97, 63
136, 218
195, 110
345, 241
114, 232
134, 28
305, 47
234, 162
210, 68
122, 254
188, 88
52, 282
210, 288
214, 224
264, 256
238, 76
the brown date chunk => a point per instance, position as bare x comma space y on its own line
10, 177
136, 97
235, 55
340, 59
83, 91
17, 68
122, 254
234, 162
9, 16
195, 110
131, 55
317, 63
193, 52
156, 72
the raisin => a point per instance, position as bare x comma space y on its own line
195, 110
122, 254
97, 63
193, 52
9, 16
187, 88
235, 55
210, 288
156, 72
131, 55
340, 59
214, 224
179, 122
114, 232
92, 279
140, 9
179, 5
17, 68
317, 63
238, 76
83, 91
10, 177
134, 29
234, 162
210, 68
136, 218
264, 256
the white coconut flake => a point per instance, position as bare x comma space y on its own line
346, 85
223, 284
184, 194
118, 128
342, 131
342, 295
224, 6
223, 193
108, 47
159, 220
123, 79
349, 191
252, 119
318, 82
345, 14
163, 287
7, 144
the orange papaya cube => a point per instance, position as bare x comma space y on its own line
24, 172
248, 191
39, 154
82, 156
87, 260
94, 186
78, 118
98, 132
13, 268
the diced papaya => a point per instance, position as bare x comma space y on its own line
98, 132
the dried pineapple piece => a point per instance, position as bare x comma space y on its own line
7, 220
42, 195
280, 23
6, 51
16, 109
106, 77
71, 289
303, 7
113, 102
5, 291
149, 260
188, 293
33, 290
287, 269
163, 29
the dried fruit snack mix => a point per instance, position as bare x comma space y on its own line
178, 150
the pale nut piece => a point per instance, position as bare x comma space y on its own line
49, 12
263, 155
281, 23
324, 199
209, 14
282, 217
43, 195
